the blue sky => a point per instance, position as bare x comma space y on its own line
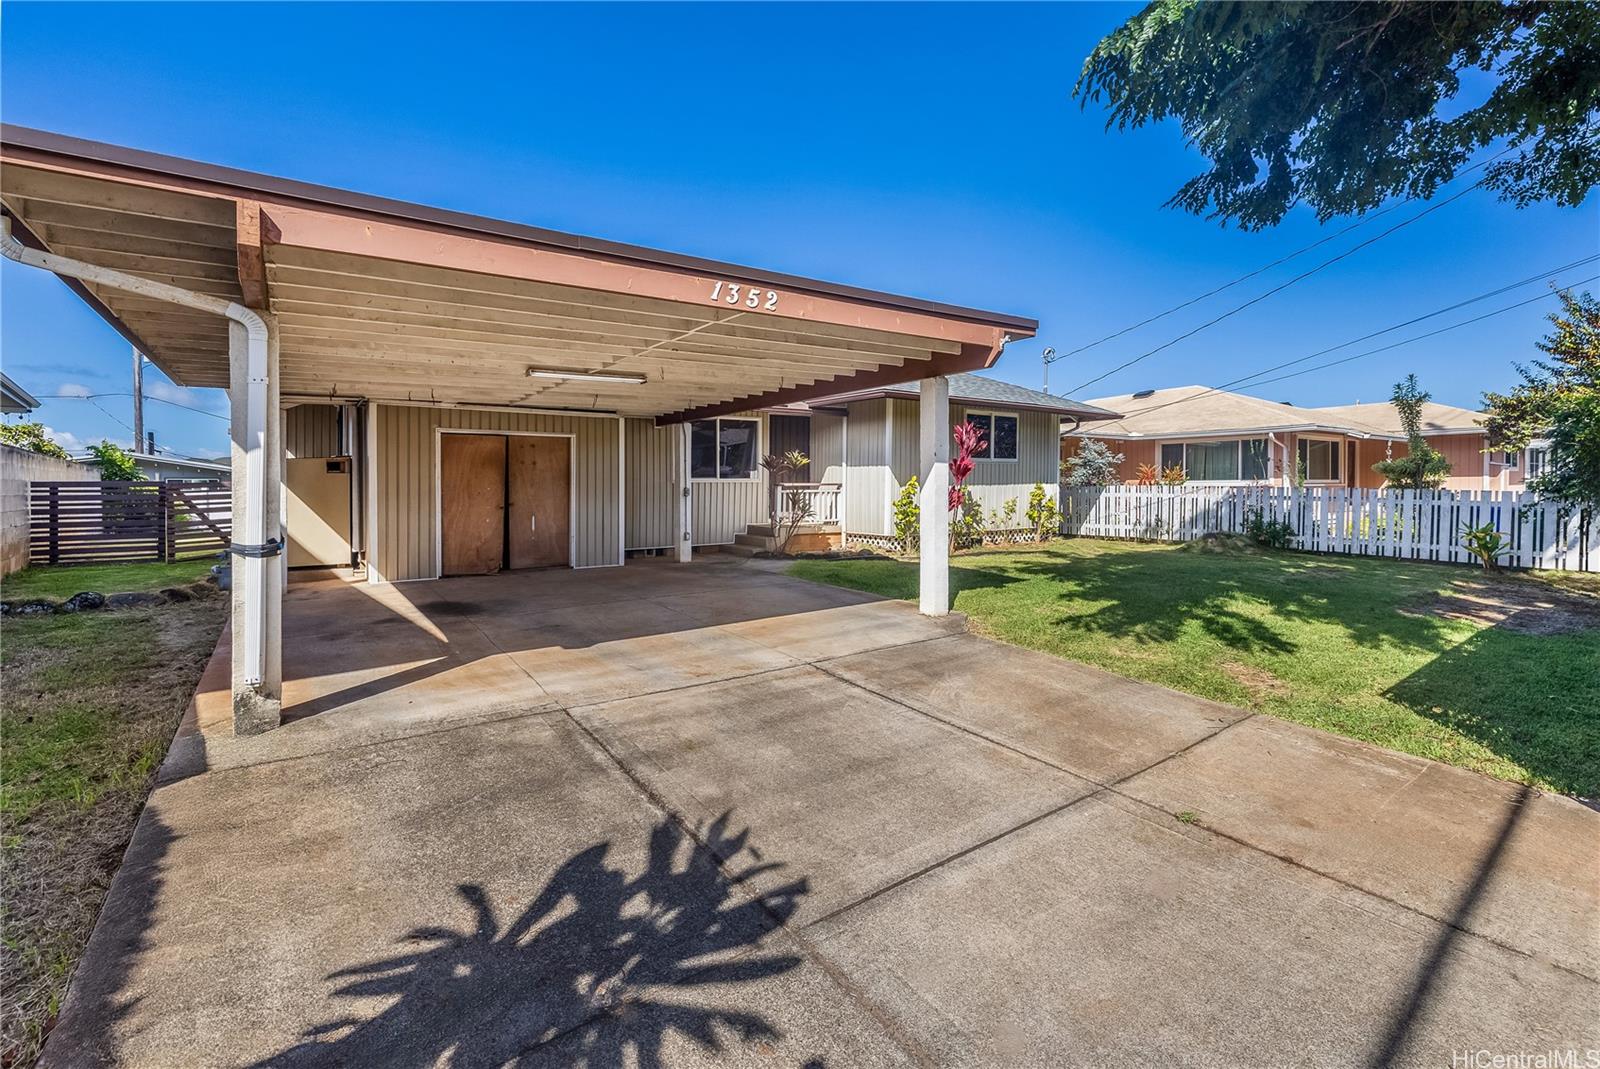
934, 151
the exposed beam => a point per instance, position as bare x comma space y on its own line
252, 261
973, 357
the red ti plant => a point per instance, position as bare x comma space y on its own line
969, 442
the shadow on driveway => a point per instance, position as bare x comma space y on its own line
594, 961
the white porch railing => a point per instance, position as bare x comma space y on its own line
817, 502
1409, 524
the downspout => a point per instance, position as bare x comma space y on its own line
256, 548
1283, 456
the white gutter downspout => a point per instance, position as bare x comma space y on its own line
255, 549
1283, 454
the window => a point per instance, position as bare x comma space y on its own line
1508, 459
1227, 460
724, 448
1319, 460
999, 435
1538, 460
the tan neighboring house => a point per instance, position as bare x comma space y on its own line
1219, 437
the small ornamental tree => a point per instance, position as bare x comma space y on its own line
969, 443
1093, 465
31, 436
1043, 515
115, 463
1423, 467
791, 505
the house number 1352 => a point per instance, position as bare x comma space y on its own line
749, 296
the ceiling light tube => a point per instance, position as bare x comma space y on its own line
584, 376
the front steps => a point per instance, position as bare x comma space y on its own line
808, 538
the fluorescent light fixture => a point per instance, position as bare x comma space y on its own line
584, 376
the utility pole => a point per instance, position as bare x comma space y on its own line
138, 400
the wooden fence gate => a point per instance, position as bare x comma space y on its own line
127, 522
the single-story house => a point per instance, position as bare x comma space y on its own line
161, 467
1220, 437
492, 395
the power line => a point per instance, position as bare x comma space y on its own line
1541, 276
147, 397
1363, 221
1280, 287
1419, 337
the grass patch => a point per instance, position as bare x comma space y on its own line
1348, 644
90, 704
61, 581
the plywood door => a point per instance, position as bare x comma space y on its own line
472, 497
538, 501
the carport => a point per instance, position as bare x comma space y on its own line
421, 323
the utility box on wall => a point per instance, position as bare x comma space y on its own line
317, 511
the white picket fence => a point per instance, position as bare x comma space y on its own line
1410, 524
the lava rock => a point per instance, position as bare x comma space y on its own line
134, 600
83, 601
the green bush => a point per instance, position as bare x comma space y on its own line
907, 516
1043, 515
1277, 534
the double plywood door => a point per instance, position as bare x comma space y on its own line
505, 502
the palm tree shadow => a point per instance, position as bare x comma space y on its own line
592, 961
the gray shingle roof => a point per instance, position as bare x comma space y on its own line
983, 390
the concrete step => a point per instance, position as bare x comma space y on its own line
737, 550
756, 541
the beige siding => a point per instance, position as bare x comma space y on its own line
654, 475
406, 462
311, 431
867, 493
724, 508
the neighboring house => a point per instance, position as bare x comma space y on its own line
1219, 437
14, 398
160, 467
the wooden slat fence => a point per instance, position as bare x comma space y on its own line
1409, 524
127, 522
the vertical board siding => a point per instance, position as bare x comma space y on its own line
654, 474
994, 482
827, 447
311, 431
407, 505
1407, 524
867, 488
724, 508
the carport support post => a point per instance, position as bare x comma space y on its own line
933, 579
256, 427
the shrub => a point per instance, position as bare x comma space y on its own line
1043, 515
1174, 476
1093, 465
1277, 534
967, 525
908, 515
1147, 475
1003, 519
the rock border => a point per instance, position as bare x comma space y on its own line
91, 600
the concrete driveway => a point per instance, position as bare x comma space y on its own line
707, 814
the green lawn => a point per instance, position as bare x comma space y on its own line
1355, 646
60, 582
89, 706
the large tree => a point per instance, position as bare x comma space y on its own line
1341, 105
1559, 400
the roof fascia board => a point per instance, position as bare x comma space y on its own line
1184, 436
39, 146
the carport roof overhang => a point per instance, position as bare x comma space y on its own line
381, 299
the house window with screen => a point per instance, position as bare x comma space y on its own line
1538, 459
1508, 459
1319, 460
1226, 460
724, 448
999, 435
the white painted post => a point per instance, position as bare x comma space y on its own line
256, 581
933, 580
685, 498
